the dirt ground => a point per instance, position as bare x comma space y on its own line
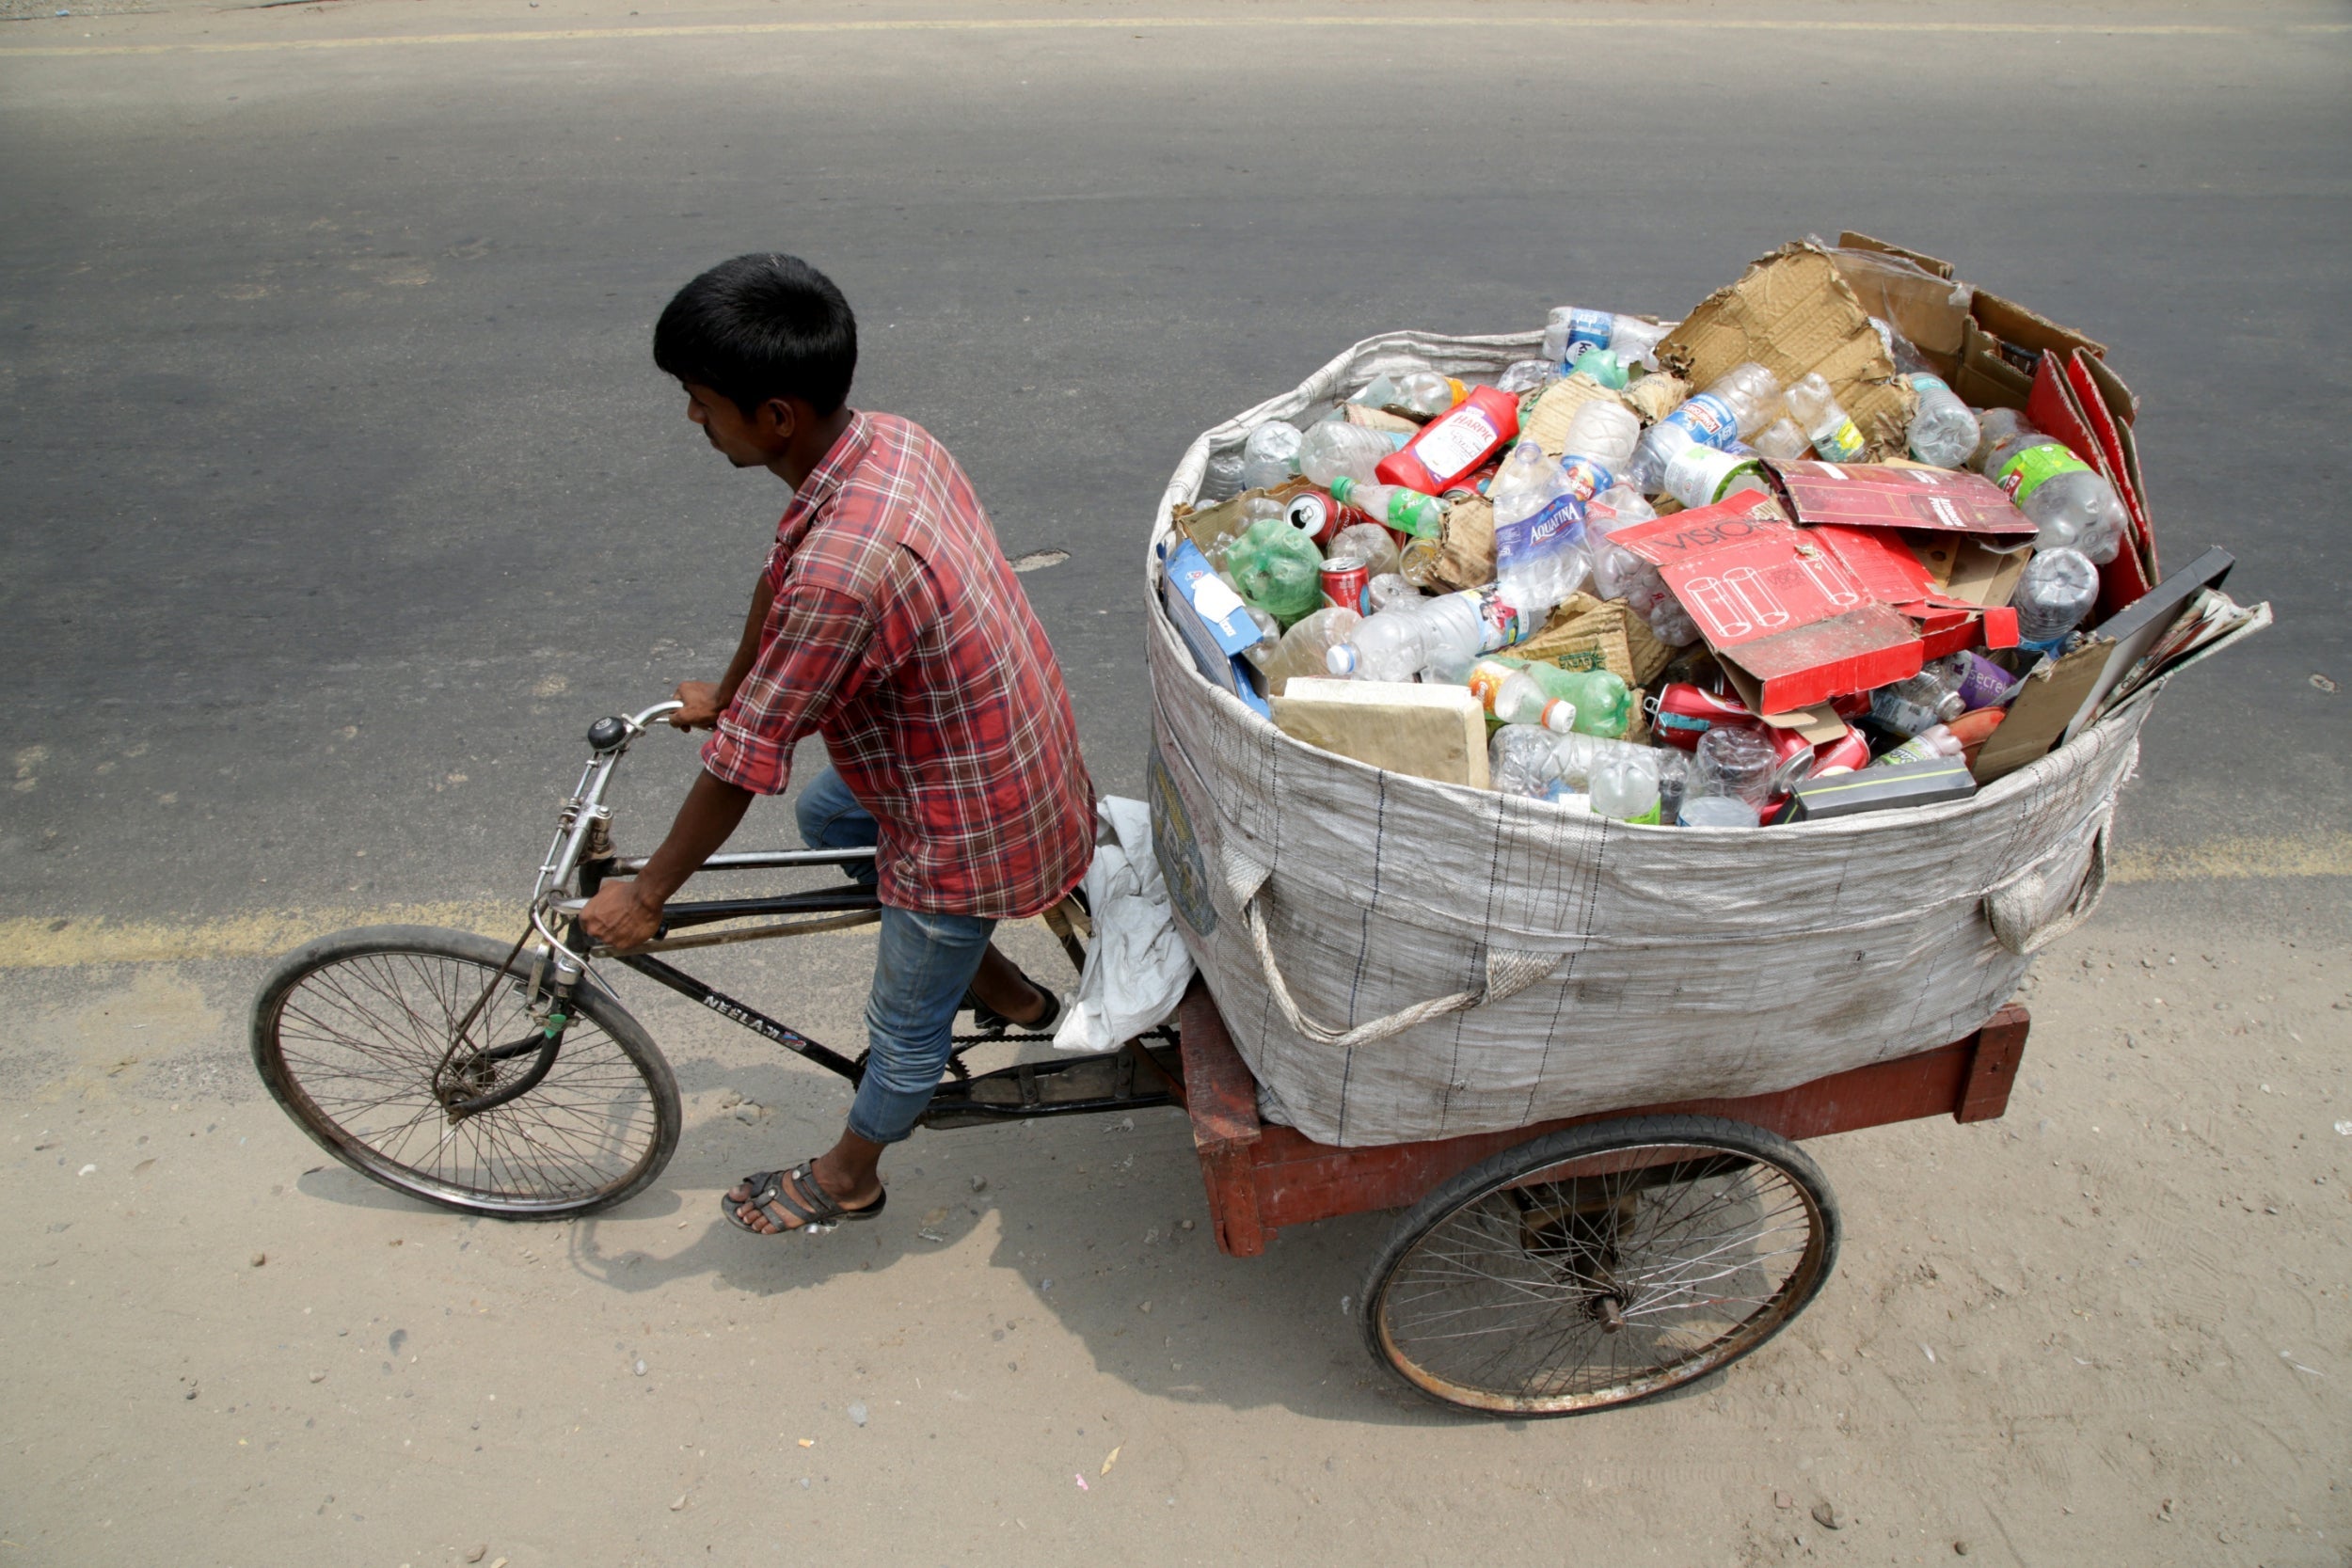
2110, 1328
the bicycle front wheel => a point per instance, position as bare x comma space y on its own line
349, 1030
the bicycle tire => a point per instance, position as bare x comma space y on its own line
1563, 1245
374, 1006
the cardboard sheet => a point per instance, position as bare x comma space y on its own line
1793, 314
1430, 732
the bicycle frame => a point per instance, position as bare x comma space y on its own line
582, 857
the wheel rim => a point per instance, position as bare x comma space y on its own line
1602, 1279
361, 1039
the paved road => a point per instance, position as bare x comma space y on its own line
338, 495
339, 492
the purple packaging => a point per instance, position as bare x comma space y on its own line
1983, 682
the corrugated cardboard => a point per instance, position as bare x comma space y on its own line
1586, 633
1466, 556
1430, 732
1656, 395
2047, 703
1379, 418
1966, 571
1793, 314
1547, 423
1985, 379
1914, 293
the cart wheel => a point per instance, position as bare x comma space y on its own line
1600, 1265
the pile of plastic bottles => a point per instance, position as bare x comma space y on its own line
1337, 540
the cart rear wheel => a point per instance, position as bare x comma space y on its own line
1601, 1264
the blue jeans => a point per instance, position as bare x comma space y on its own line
920, 975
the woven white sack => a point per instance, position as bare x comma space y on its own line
1399, 959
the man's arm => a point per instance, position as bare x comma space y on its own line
704, 701
625, 913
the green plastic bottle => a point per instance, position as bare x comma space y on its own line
1279, 569
1604, 705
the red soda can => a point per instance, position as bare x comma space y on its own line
1347, 584
1317, 515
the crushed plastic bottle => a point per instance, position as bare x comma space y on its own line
1277, 568
1337, 449
1624, 787
1783, 442
1539, 523
1388, 646
1388, 587
1996, 426
1522, 376
1367, 543
1943, 432
1754, 394
1825, 421
2057, 591
1736, 761
1521, 760
1270, 455
1445, 633
1598, 446
1303, 648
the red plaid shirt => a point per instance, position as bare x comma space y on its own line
900, 635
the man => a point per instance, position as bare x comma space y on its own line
887, 620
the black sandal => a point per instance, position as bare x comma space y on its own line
988, 1020
769, 1195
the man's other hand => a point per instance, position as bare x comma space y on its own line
702, 707
620, 916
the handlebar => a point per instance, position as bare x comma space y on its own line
615, 733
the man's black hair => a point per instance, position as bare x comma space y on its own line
761, 327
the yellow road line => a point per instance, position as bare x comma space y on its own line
63, 943
2235, 859
1169, 23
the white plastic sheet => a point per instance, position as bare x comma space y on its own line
1136, 966
1401, 959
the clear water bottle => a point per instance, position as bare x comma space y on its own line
2071, 503
1521, 760
1521, 376
1919, 702
1598, 446
1755, 395
1701, 476
1406, 511
1783, 442
1825, 421
1269, 635
1390, 647
1337, 449
1994, 427
1624, 787
1270, 455
1717, 811
1388, 587
1571, 332
1704, 420
1539, 521
1424, 392
1936, 740
1732, 760
1303, 649
2057, 591
1943, 432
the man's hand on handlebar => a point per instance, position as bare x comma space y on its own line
621, 916
702, 704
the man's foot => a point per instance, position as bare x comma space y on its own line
772, 1202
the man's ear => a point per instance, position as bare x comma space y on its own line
778, 421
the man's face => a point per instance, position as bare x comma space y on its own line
747, 441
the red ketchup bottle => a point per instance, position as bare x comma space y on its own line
1453, 443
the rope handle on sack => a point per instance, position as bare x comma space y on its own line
1508, 973
2009, 908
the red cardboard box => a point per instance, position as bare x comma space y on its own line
1806, 614
1868, 495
